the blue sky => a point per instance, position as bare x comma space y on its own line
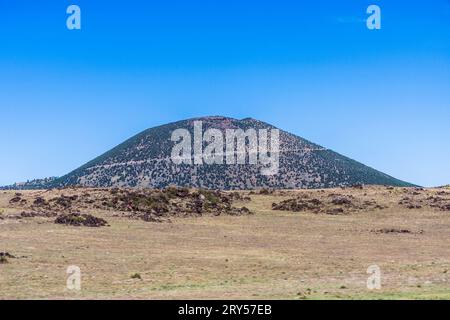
309, 67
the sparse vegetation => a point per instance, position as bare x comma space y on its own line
209, 256
4, 257
396, 230
332, 204
136, 276
30, 185
77, 219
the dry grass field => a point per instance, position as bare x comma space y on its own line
319, 252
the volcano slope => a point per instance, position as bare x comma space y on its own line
296, 244
145, 161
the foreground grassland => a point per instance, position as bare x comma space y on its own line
266, 255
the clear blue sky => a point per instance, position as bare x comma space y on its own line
309, 67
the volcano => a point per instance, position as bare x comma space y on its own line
145, 161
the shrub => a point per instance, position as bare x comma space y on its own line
136, 276
77, 219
